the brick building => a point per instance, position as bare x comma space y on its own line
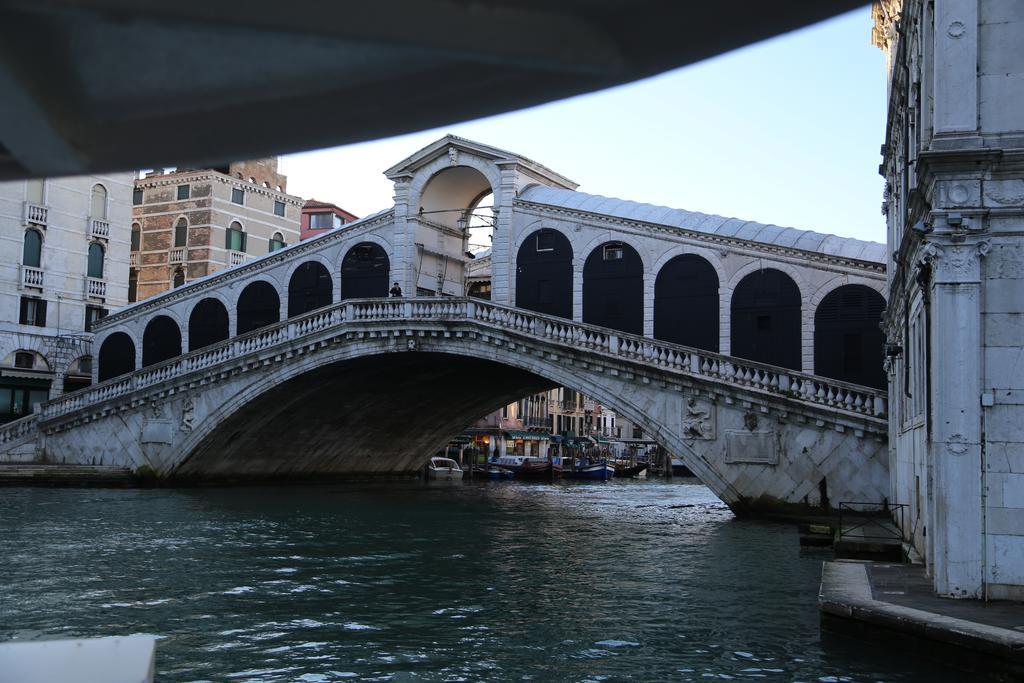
193, 222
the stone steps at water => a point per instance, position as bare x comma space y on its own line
45, 474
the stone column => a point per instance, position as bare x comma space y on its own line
501, 244
648, 321
955, 355
956, 70
404, 257
577, 289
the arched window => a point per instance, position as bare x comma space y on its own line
95, 260
31, 254
208, 324
276, 242
258, 306
235, 237
179, 277
160, 341
98, 207
136, 237
133, 285
181, 233
613, 288
544, 273
117, 356
364, 272
848, 345
765, 325
310, 288
686, 303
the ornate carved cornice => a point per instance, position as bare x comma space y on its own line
172, 179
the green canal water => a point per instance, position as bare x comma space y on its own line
409, 581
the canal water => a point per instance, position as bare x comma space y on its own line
409, 581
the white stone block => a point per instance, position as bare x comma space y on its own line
118, 659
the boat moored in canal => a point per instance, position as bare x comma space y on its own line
443, 469
602, 471
529, 466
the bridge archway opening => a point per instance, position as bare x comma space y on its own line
376, 414
365, 271
161, 340
686, 303
309, 288
451, 194
258, 306
544, 273
613, 288
765, 320
848, 344
207, 324
116, 357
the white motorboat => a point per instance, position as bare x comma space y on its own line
444, 469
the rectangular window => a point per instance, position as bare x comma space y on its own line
185, 191
92, 314
637, 432
319, 221
238, 195
613, 252
137, 197
33, 311
278, 208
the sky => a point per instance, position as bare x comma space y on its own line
786, 131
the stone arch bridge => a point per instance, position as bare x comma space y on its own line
369, 386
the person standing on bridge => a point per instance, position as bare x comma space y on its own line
396, 290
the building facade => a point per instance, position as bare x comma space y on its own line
319, 217
67, 245
954, 204
190, 223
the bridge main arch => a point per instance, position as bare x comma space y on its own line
361, 411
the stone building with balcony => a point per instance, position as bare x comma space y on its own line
190, 223
64, 265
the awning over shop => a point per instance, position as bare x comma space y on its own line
461, 438
527, 436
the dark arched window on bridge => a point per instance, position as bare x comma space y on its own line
258, 306
686, 303
765, 321
365, 271
309, 288
207, 324
848, 345
613, 288
160, 341
117, 356
544, 273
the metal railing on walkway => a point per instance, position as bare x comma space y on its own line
871, 521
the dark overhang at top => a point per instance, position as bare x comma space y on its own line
101, 85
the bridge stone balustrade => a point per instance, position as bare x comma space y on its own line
374, 386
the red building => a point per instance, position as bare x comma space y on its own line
319, 217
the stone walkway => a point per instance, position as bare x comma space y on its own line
894, 603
